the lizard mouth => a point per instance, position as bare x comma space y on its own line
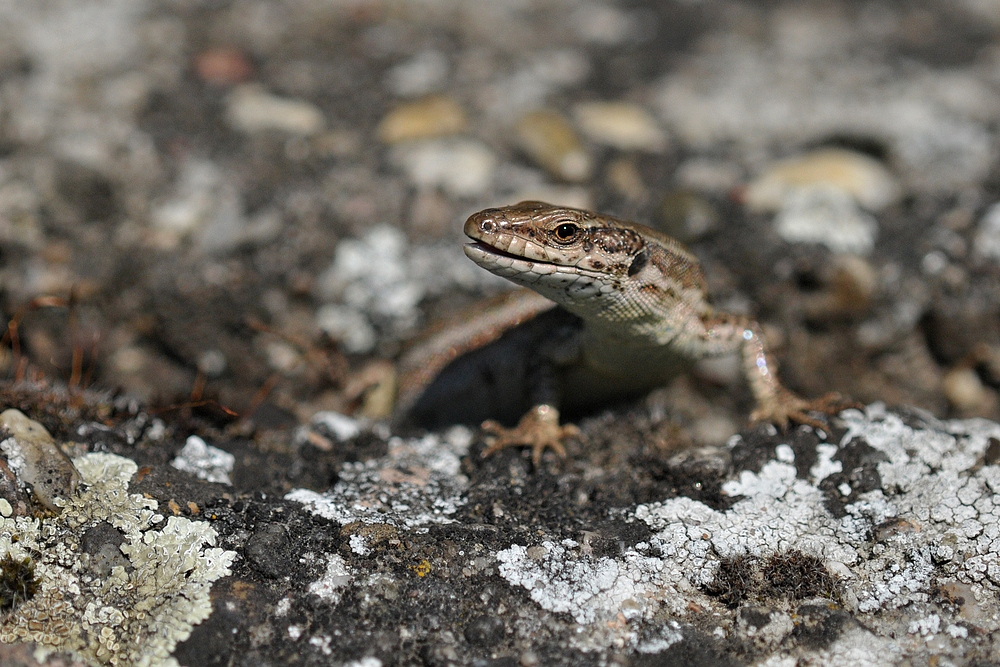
487, 249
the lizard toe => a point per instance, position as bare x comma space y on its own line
538, 429
788, 408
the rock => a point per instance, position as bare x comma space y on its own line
423, 73
348, 326
37, 460
251, 109
605, 24
558, 195
102, 544
624, 177
708, 175
986, 243
204, 461
460, 167
687, 216
829, 216
160, 572
267, 551
964, 390
620, 125
848, 292
861, 176
549, 139
431, 117
223, 66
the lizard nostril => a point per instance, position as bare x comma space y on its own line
487, 226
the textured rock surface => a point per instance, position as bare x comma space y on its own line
874, 544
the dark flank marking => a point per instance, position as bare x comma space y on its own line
639, 262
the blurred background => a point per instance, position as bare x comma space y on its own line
260, 202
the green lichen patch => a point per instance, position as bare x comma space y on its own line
138, 612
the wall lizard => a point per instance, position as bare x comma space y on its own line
633, 313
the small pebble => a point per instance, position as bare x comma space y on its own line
223, 66
605, 24
625, 178
621, 125
460, 167
431, 117
986, 242
573, 196
828, 216
713, 430
252, 109
848, 291
423, 73
36, 459
348, 326
862, 177
549, 140
19, 223
341, 427
708, 175
687, 216
963, 389
283, 357
204, 461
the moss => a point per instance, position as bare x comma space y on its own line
790, 575
17, 581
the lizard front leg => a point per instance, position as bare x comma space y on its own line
775, 403
539, 428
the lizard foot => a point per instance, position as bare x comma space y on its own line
786, 407
539, 428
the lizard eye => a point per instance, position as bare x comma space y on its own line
566, 232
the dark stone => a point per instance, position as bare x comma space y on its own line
819, 625
695, 650
859, 470
756, 617
485, 631
103, 543
267, 551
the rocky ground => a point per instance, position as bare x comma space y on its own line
222, 223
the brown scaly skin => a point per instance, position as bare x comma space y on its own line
643, 300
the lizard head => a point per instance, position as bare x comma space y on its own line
593, 265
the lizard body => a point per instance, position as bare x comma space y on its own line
633, 314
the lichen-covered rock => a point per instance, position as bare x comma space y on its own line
154, 590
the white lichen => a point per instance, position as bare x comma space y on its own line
336, 577
934, 518
137, 614
204, 461
416, 483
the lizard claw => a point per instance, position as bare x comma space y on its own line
539, 428
786, 407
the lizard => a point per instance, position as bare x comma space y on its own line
616, 309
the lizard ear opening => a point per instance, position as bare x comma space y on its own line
638, 262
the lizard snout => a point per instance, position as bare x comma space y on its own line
481, 224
